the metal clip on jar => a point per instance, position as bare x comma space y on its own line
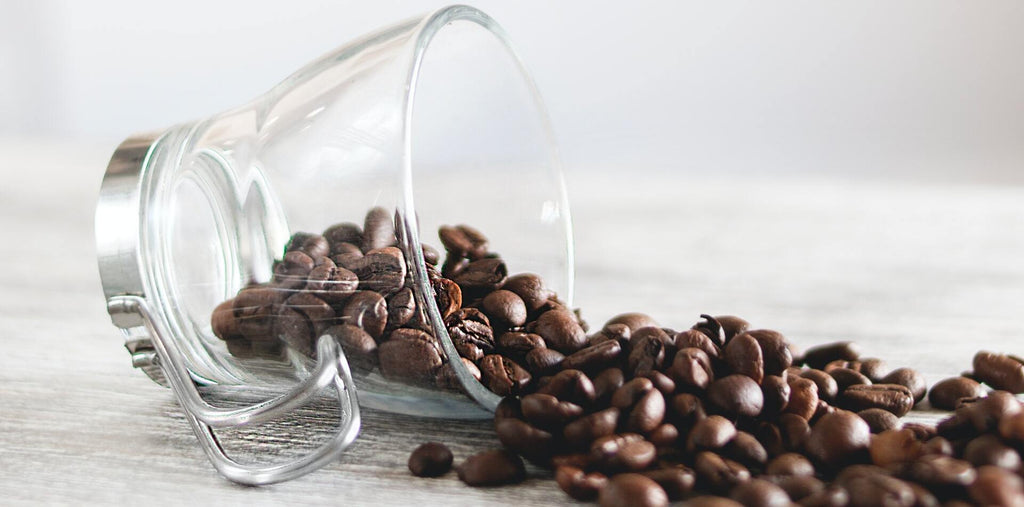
432, 121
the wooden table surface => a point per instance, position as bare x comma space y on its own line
921, 273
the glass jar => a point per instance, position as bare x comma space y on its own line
429, 122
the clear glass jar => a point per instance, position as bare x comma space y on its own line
429, 122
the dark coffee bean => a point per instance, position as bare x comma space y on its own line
828, 389
517, 345
430, 460
770, 437
615, 455
503, 376
292, 271
774, 350
368, 310
647, 414
831, 496
578, 460
946, 394
745, 449
223, 321
922, 496
617, 332
595, 357
677, 481
909, 378
803, 398
409, 354
985, 413
687, 409
711, 329
633, 320
430, 255
580, 485
711, 501
995, 486
319, 313
447, 295
799, 487
874, 369
632, 490
732, 326
735, 396
345, 254
570, 385
561, 331
546, 411
846, 377
313, 245
631, 392
775, 390
941, 473
819, 356
343, 233
255, 309
921, 431
492, 468
471, 333
647, 353
743, 356
360, 348
1011, 427
696, 339
691, 370
583, 431
463, 241
530, 288
543, 361
894, 446
822, 409
989, 450
1001, 371
378, 230
713, 432
447, 378
665, 435
794, 431
651, 332
481, 277
879, 420
876, 489
790, 463
294, 329
760, 493
718, 474
892, 397
937, 446
838, 439
505, 308
531, 442
381, 270
401, 308
332, 283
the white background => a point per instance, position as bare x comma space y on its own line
916, 88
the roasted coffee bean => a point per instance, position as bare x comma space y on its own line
819, 356
255, 309
1011, 427
632, 490
846, 377
492, 468
411, 355
989, 450
543, 361
798, 487
879, 420
319, 313
691, 370
448, 379
909, 378
838, 439
631, 392
647, 353
595, 357
985, 413
463, 241
873, 490
711, 433
378, 230
561, 331
503, 376
789, 463
760, 493
615, 455
718, 474
570, 385
661, 382
941, 473
360, 348
711, 501
294, 329
746, 449
223, 321
343, 233
481, 277
430, 255
401, 308
331, 283
677, 481
580, 485
735, 396
892, 397
530, 288
583, 431
874, 369
505, 308
508, 407
696, 339
578, 460
775, 390
770, 437
529, 441
546, 411
831, 496
822, 409
774, 350
803, 398
946, 394
381, 270
794, 431
345, 254
665, 435
516, 345
313, 245
633, 321
291, 272
651, 332
1001, 371
938, 446
828, 389
368, 310
732, 326
687, 409
471, 333
894, 446
743, 356
995, 486
617, 332
711, 328
447, 295
430, 460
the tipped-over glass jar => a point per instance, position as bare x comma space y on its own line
291, 244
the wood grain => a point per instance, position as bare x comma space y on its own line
921, 274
